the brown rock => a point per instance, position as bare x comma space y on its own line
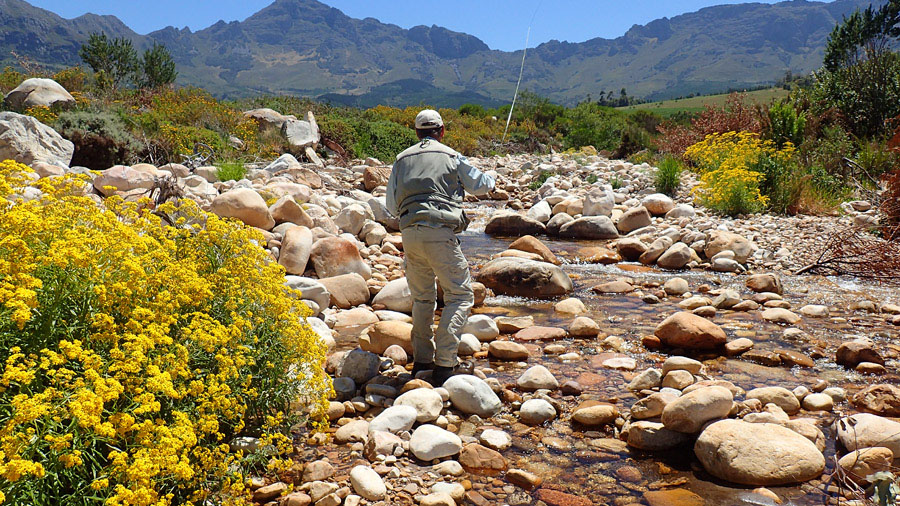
765, 283
373, 177
631, 248
538, 333
613, 287
287, 210
689, 331
673, 497
385, 334
599, 255
269, 492
524, 479
507, 350
530, 244
245, 205
513, 324
861, 463
295, 250
881, 400
791, 357
334, 256
297, 499
557, 498
850, 354
478, 459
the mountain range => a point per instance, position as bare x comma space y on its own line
304, 47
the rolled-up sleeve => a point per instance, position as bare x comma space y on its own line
473, 180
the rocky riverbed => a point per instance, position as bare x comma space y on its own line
630, 348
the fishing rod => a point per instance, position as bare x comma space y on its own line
521, 71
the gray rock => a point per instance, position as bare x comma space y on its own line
430, 442
27, 140
394, 419
676, 257
557, 222
472, 395
590, 227
633, 219
310, 289
529, 278
536, 412
653, 436
360, 366
395, 296
300, 134
37, 92
482, 327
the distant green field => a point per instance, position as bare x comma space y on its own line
697, 104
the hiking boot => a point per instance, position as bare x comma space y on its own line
442, 374
420, 367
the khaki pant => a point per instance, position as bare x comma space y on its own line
431, 252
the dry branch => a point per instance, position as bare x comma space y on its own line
856, 252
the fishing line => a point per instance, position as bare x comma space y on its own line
521, 71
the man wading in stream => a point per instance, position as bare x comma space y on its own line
426, 191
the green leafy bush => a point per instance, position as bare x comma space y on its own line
541, 179
382, 139
231, 171
785, 124
667, 178
589, 124
101, 139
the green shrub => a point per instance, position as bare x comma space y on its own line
231, 171
101, 139
589, 124
667, 178
472, 110
591, 179
382, 139
785, 124
337, 128
876, 159
634, 140
616, 182
541, 179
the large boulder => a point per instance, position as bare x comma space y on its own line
633, 219
689, 412
268, 118
124, 179
658, 204
301, 134
472, 395
689, 331
245, 205
758, 454
351, 219
507, 223
386, 334
527, 278
598, 203
295, 249
37, 92
395, 296
334, 256
676, 257
590, 227
721, 240
347, 290
27, 140
430, 442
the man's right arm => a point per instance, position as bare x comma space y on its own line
390, 196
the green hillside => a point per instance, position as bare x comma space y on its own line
697, 104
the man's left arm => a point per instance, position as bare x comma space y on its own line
473, 180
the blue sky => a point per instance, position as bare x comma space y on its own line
502, 24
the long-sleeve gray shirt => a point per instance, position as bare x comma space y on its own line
473, 180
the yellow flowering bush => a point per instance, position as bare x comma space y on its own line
740, 172
135, 344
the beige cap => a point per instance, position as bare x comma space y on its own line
429, 118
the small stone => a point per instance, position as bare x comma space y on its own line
536, 412
537, 378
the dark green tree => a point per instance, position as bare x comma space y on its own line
864, 35
157, 68
113, 60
